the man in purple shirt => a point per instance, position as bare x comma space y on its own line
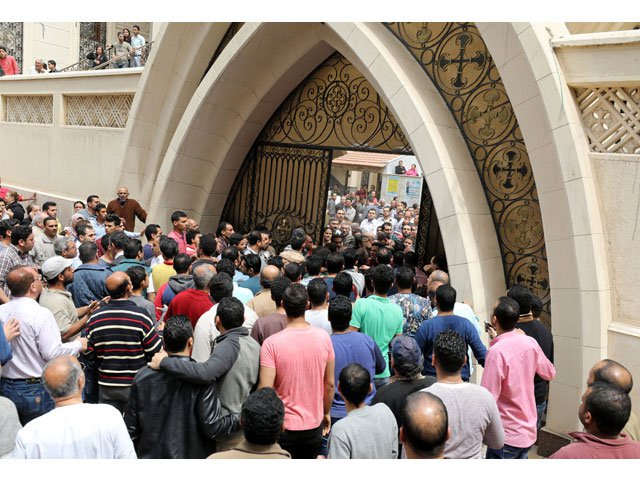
511, 364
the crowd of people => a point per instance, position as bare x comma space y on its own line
169, 342
126, 52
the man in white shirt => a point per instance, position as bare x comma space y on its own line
73, 429
137, 41
39, 342
370, 224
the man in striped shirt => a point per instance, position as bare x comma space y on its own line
122, 337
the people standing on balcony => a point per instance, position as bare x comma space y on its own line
413, 171
39, 67
99, 57
400, 170
121, 49
7, 62
52, 66
137, 41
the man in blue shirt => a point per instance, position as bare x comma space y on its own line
446, 320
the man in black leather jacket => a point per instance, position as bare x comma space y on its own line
171, 418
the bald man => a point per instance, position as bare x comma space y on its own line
262, 303
426, 426
39, 342
73, 429
127, 208
122, 336
610, 371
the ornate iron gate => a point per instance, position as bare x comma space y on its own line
92, 35
429, 240
281, 187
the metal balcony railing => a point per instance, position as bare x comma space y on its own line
86, 64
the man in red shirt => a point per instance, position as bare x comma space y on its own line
179, 232
8, 63
193, 302
604, 411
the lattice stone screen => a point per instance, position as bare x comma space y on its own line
611, 116
109, 111
29, 108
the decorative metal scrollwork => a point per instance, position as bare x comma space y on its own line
337, 107
458, 62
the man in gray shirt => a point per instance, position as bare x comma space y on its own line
473, 414
366, 432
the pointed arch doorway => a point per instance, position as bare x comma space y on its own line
284, 180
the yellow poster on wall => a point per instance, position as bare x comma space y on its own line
392, 185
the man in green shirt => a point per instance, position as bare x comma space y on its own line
378, 317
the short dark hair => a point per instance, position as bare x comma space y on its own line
427, 440
441, 261
252, 261
150, 230
49, 219
383, 256
6, 226
313, 265
446, 298
340, 313
105, 240
230, 253
293, 271
20, 232
354, 382
536, 306
262, 417
137, 274
226, 266
349, 256
335, 263
87, 251
47, 205
119, 240
231, 312
81, 228
405, 277
181, 263
410, 259
191, 235
276, 261
607, 373
91, 197
235, 239
168, 247
523, 296
450, 349
317, 290
343, 284
254, 237
278, 287
100, 206
177, 332
208, 244
113, 218
297, 241
609, 406
295, 300
132, 248
177, 215
221, 227
506, 312
220, 286
382, 277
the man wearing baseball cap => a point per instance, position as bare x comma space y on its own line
406, 361
58, 274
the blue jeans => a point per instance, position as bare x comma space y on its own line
540, 407
31, 399
508, 452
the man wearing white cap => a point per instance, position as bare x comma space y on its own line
58, 273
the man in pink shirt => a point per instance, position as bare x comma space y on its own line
510, 366
298, 362
7, 62
179, 232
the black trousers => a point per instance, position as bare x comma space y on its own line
302, 443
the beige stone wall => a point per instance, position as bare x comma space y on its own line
60, 161
50, 41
